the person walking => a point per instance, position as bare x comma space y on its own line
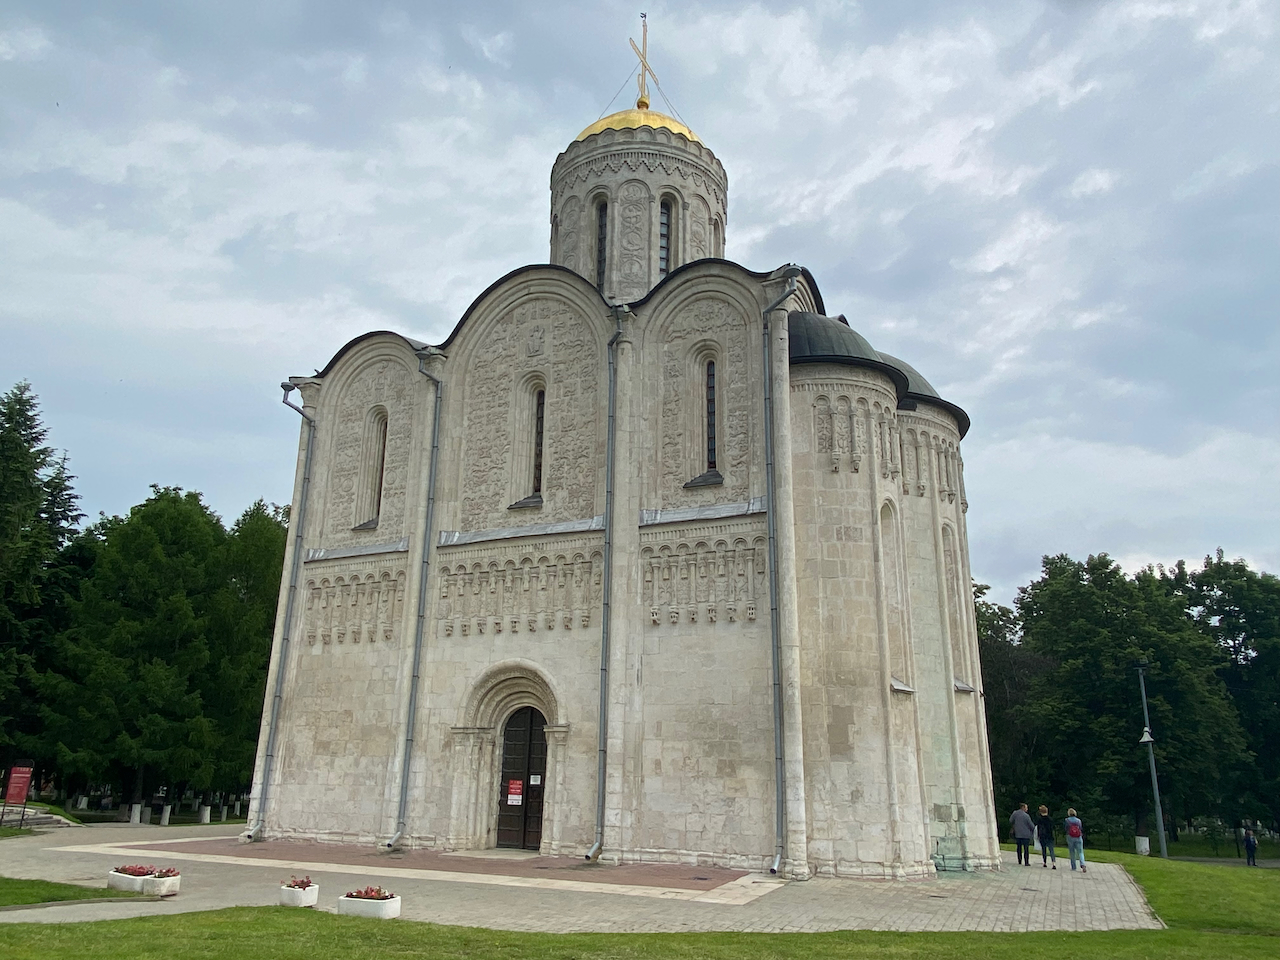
1250, 849
1023, 830
1075, 839
1044, 833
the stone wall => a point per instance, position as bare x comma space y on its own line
890, 767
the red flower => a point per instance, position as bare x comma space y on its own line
371, 893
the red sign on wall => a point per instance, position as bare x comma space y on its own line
515, 793
19, 784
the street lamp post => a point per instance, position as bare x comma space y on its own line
1149, 740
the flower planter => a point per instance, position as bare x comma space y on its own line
160, 886
122, 881
299, 896
379, 909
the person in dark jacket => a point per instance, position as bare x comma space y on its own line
1023, 830
1044, 833
1250, 849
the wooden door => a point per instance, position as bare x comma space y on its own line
523, 780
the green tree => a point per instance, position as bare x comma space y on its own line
240, 639
1008, 671
1093, 624
38, 567
1240, 609
123, 701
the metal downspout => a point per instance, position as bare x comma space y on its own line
775, 625
602, 752
295, 568
420, 624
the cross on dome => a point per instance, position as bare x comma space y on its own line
642, 51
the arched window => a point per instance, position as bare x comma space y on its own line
704, 370
664, 238
711, 414
602, 241
539, 420
529, 428
373, 472
717, 239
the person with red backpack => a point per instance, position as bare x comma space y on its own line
1075, 839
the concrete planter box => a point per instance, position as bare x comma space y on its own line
161, 886
122, 881
299, 897
379, 909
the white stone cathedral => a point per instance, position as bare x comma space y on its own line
650, 560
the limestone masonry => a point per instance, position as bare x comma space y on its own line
619, 471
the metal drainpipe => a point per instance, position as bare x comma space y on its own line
775, 626
602, 752
420, 624
295, 568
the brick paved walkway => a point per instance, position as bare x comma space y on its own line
515, 894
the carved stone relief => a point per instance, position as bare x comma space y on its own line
699, 229
633, 241
570, 227
364, 606
543, 335
683, 451
387, 383
540, 586
704, 575
841, 437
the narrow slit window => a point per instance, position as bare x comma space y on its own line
711, 414
539, 416
664, 239
380, 464
602, 238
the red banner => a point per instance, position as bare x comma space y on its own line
19, 784
515, 793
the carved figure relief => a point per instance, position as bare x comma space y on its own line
687, 577
633, 241
387, 384
838, 434
354, 607
533, 591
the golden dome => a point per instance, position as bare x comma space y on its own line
635, 117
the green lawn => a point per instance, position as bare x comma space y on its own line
8, 831
42, 891
1213, 912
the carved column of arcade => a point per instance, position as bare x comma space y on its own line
944, 619
878, 470
797, 866
979, 711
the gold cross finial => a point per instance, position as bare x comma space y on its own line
642, 51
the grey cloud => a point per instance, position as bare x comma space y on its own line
1062, 214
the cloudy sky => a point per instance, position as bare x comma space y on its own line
1065, 214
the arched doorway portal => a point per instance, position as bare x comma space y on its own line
523, 782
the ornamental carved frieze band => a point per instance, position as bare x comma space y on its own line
520, 596
354, 607
696, 581
636, 162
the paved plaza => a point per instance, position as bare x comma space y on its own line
517, 891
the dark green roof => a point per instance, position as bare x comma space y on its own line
915, 383
818, 339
